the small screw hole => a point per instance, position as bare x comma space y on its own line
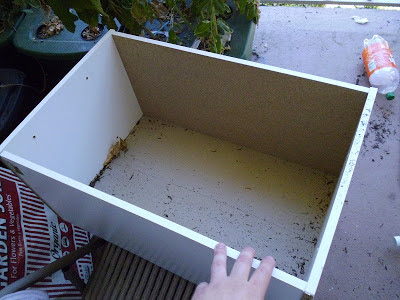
87, 78
34, 136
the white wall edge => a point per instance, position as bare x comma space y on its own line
246, 62
55, 89
340, 196
197, 237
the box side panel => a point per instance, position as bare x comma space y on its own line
72, 130
305, 121
336, 205
160, 241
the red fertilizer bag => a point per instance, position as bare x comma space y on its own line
32, 236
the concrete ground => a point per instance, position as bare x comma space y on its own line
363, 261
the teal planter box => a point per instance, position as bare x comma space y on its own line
64, 46
242, 38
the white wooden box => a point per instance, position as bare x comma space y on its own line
226, 150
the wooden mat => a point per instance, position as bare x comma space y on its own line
123, 275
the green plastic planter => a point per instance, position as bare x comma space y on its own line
61, 47
242, 37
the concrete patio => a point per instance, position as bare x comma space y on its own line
363, 261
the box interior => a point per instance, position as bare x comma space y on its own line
240, 153
225, 191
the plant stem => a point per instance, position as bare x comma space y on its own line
183, 17
215, 21
149, 32
45, 17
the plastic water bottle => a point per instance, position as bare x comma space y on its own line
380, 66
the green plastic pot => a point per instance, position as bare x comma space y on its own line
64, 46
242, 38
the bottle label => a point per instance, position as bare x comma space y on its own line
377, 56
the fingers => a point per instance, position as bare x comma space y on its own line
242, 266
198, 293
218, 267
262, 276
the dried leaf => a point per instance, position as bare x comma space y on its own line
45, 7
115, 150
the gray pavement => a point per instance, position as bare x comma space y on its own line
363, 261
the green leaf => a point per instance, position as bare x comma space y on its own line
219, 45
110, 23
123, 14
223, 26
170, 3
198, 6
61, 9
178, 26
252, 12
241, 4
137, 12
90, 17
88, 11
220, 7
91, 5
142, 11
172, 37
203, 29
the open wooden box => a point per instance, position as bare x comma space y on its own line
219, 149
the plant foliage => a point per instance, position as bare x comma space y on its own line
205, 18
9, 10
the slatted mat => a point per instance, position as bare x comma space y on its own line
123, 275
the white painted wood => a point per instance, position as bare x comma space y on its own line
335, 209
339, 2
72, 130
156, 239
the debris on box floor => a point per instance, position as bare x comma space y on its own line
114, 152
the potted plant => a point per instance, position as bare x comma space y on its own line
215, 25
53, 36
52, 31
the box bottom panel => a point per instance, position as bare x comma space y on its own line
224, 191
